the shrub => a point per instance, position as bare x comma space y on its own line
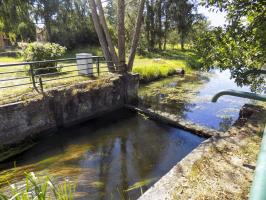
43, 51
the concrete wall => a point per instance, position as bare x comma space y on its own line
65, 107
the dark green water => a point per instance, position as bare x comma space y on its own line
190, 98
113, 156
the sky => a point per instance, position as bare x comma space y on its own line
216, 18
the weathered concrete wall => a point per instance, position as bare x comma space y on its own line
222, 167
65, 107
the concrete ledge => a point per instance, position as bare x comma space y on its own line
177, 121
222, 167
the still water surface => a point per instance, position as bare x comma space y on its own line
113, 156
190, 97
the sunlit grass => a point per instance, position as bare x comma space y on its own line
150, 69
160, 64
94, 50
6, 59
150, 66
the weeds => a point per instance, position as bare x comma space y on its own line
35, 188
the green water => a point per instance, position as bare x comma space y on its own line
114, 157
190, 97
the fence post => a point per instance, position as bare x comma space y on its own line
98, 66
32, 75
41, 83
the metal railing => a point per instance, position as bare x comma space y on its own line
39, 73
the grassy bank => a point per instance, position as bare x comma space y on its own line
150, 66
155, 65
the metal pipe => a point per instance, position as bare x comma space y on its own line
258, 185
235, 93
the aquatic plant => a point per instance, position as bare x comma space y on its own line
39, 189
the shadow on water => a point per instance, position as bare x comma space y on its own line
190, 97
110, 157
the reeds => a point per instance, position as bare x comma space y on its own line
35, 188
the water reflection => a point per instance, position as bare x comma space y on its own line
190, 98
108, 158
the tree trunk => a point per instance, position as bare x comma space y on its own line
47, 24
107, 33
121, 34
152, 25
159, 21
148, 25
182, 41
100, 34
166, 25
136, 36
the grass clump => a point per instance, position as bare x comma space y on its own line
39, 189
153, 72
160, 64
152, 69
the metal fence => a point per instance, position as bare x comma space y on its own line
39, 74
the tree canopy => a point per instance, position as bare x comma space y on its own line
240, 45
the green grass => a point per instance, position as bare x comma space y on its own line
160, 64
6, 59
150, 66
94, 50
152, 69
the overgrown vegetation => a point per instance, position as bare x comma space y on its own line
39, 51
35, 188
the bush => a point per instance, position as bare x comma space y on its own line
43, 51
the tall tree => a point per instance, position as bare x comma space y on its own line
15, 20
102, 35
183, 16
136, 36
166, 8
121, 33
106, 32
45, 10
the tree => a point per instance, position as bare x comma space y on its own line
136, 36
45, 10
183, 17
121, 33
239, 46
103, 34
15, 20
